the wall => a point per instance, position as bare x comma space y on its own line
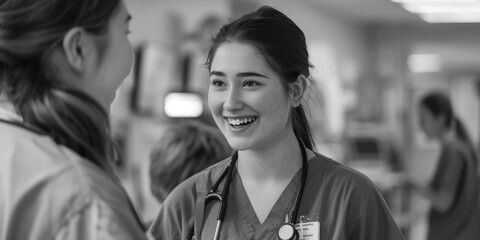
163, 20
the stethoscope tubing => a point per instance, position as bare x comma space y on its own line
302, 183
223, 205
223, 197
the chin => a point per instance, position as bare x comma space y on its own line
238, 145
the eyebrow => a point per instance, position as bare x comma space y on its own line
242, 74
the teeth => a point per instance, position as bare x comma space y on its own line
240, 121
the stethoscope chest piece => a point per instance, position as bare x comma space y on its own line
287, 232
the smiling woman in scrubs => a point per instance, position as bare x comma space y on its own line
60, 65
259, 72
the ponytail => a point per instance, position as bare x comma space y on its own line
76, 121
301, 127
462, 133
70, 117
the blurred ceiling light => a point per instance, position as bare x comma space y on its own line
424, 63
422, 8
444, 11
452, 18
183, 105
435, 1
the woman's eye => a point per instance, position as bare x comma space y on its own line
217, 83
250, 84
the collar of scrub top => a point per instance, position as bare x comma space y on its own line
16, 120
222, 197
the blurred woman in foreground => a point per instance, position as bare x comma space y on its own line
60, 65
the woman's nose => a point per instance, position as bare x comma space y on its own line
234, 100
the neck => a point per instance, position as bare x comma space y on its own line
277, 161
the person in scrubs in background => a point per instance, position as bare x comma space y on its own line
60, 65
454, 189
259, 72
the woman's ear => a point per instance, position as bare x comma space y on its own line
74, 46
297, 89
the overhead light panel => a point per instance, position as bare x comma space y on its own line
451, 18
420, 8
424, 63
435, 1
183, 105
444, 11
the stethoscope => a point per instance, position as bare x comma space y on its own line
286, 232
39, 131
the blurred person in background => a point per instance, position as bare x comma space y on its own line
60, 65
259, 72
184, 149
454, 189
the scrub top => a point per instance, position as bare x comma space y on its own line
456, 169
346, 204
49, 192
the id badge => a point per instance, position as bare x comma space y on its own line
309, 227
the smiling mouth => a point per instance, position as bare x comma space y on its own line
240, 122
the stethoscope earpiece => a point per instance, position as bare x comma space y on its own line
287, 232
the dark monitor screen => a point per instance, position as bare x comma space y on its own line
364, 148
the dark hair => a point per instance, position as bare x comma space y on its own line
283, 45
439, 104
184, 149
30, 31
